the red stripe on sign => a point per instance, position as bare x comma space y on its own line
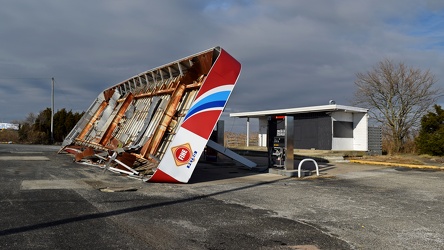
160, 176
202, 124
225, 71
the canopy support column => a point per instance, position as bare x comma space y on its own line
289, 145
248, 131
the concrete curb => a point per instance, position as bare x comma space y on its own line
392, 164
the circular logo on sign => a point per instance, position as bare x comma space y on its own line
182, 154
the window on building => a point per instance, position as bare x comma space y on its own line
342, 129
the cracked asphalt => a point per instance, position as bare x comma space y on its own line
49, 202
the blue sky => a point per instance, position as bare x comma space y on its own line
293, 53
429, 27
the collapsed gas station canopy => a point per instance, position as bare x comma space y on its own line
155, 125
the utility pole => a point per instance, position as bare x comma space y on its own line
52, 111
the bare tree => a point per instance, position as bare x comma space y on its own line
397, 96
30, 119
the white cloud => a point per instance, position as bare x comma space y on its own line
294, 53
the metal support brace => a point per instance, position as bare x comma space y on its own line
108, 163
225, 151
114, 158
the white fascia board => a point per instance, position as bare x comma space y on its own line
291, 111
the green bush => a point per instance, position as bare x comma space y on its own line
36, 129
431, 135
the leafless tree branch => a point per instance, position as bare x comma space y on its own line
397, 96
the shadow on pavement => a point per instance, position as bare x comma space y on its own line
122, 211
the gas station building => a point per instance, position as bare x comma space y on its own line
326, 127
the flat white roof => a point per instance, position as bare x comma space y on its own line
292, 111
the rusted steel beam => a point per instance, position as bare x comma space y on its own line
91, 122
113, 143
200, 68
107, 135
127, 159
170, 90
89, 144
85, 153
107, 94
194, 85
152, 145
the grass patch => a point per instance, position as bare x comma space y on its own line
403, 159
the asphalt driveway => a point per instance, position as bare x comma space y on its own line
49, 202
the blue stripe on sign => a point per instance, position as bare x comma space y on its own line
216, 97
205, 106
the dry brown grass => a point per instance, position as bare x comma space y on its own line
407, 159
238, 140
7, 135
